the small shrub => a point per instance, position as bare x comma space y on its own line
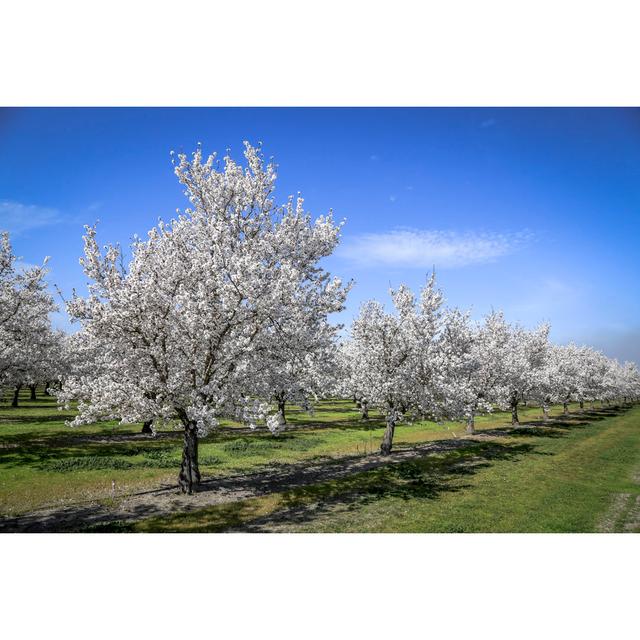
248, 447
160, 459
299, 444
87, 463
241, 445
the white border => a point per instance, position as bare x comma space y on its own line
335, 52
319, 586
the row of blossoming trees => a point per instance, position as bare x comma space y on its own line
224, 313
426, 361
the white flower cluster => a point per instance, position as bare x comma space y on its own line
275, 423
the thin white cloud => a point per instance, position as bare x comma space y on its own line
94, 206
17, 218
407, 248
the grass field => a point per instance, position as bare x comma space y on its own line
576, 474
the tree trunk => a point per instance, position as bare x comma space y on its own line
581, 406
281, 406
387, 438
146, 426
189, 472
471, 423
16, 393
364, 410
545, 412
565, 408
514, 412
32, 388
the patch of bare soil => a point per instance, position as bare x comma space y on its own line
610, 520
624, 513
632, 520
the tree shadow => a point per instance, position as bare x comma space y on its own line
303, 490
423, 478
47, 454
38, 418
555, 427
304, 497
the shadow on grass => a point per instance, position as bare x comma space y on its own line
221, 518
284, 494
47, 451
22, 418
424, 478
293, 500
556, 427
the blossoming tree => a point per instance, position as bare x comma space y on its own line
177, 335
472, 358
26, 336
391, 356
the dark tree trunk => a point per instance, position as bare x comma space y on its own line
364, 410
281, 408
16, 394
32, 388
471, 423
189, 472
146, 426
565, 408
514, 412
387, 438
545, 412
581, 406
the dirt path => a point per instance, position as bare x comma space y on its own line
166, 500
623, 515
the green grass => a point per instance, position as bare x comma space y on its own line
558, 478
550, 481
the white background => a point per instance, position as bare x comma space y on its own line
322, 53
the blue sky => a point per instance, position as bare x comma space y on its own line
533, 211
